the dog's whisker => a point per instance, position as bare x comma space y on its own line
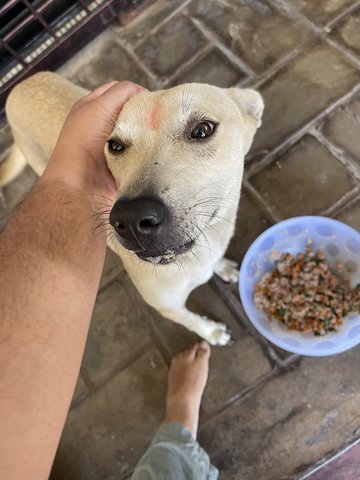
213, 217
202, 234
101, 229
102, 196
137, 238
203, 188
100, 218
197, 258
214, 199
101, 203
212, 226
100, 212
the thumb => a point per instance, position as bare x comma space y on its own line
113, 96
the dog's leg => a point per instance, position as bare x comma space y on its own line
227, 270
213, 332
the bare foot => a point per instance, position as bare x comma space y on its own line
186, 382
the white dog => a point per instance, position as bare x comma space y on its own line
177, 157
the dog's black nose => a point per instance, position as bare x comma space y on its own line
139, 221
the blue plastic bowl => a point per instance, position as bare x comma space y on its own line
339, 242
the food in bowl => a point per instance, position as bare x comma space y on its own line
304, 294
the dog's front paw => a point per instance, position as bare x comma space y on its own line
227, 270
218, 334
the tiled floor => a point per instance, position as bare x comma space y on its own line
344, 466
266, 414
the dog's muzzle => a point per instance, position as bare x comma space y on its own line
146, 227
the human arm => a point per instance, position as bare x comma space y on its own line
51, 257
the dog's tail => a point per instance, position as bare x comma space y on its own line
12, 166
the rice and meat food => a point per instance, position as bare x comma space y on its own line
305, 294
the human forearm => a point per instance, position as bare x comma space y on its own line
51, 257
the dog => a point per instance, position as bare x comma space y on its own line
177, 156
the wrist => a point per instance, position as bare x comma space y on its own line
83, 174
59, 222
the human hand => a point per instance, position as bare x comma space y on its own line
78, 158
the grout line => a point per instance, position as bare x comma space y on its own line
160, 24
342, 203
265, 206
339, 153
213, 38
329, 459
237, 398
95, 387
348, 54
119, 275
268, 74
340, 209
256, 166
139, 63
320, 33
294, 14
185, 66
157, 341
346, 12
87, 380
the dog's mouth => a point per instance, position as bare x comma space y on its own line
166, 257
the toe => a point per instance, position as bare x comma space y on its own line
190, 353
187, 354
203, 350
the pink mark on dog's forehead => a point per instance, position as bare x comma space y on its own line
153, 118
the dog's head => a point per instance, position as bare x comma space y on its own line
177, 158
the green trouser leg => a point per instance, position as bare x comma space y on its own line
174, 455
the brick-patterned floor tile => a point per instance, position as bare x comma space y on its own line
243, 361
351, 215
176, 42
348, 32
323, 11
105, 436
317, 180
214, 69
346, 466
148, 20
251, 221
300, 91
289, 423
342, 128
118, 331
233, 369
101, 61
254, 31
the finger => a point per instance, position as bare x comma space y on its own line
114, 98
100, 90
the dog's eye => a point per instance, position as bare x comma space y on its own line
203, 129
115, 146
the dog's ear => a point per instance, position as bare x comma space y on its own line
251, 105
249, 102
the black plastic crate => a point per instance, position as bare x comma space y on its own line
43, 34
